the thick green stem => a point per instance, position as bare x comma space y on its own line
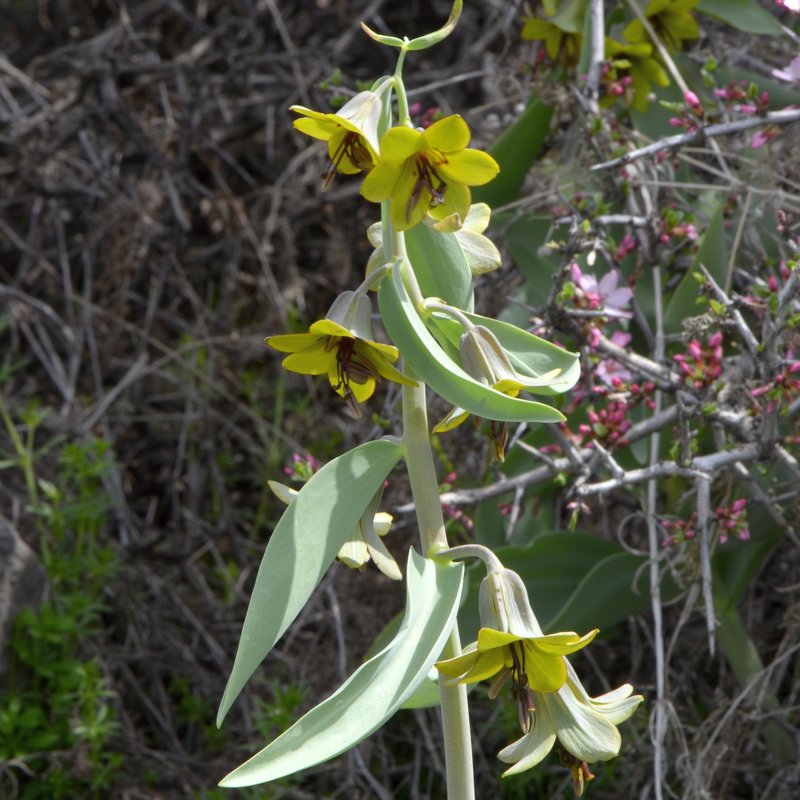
424, 487
421, 470
400, 90
433, 538
455, 726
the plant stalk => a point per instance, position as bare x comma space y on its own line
424, 487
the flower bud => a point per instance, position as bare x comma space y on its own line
483, 357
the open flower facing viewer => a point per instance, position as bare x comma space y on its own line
427, 171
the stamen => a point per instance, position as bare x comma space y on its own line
352, 147
350, 364
429, 180
357, 152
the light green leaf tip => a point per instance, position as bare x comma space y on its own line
434, 366
302, 547
376, 690
421, 42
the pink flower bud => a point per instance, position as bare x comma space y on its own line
691, 98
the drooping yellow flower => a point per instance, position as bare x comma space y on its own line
427, 171
351, 134
561, 45
672, 21
341, 346
535, 661
636, 62
511, 644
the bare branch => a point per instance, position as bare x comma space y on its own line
782, 117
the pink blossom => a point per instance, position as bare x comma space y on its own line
790, 73
702, 365
627, 245
687, 229
611, 372
762, 136
605, 294
733, 520
758, 140
789, 5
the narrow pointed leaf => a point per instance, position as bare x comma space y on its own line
434, 366
302, 547
430, 39
377, 689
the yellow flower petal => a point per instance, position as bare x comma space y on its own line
409, 202
565, 643
380, 182
328, 327
546, 673
313, 362
471, 167
388, 351
489, 638
293, 342
316, 128
360, 391
383, 367
338, 155
458, 666
309, 112
457, 198
448, 134
399, 144
452, 420
485, 666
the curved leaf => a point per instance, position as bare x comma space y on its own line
376, 689
302, 547
530, 355
433, 365
440, 266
